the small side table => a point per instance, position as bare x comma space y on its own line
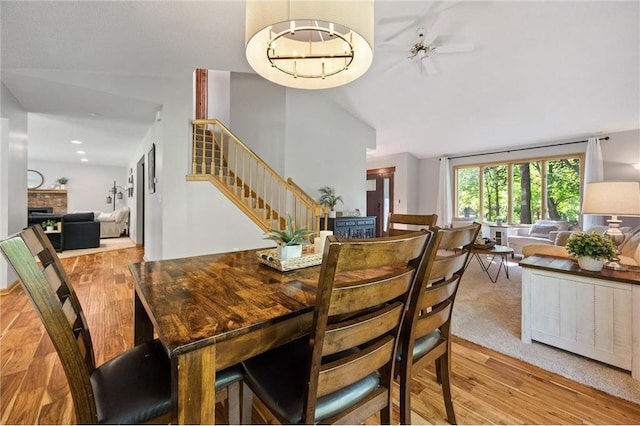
55, 237
494, 251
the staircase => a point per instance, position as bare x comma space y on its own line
219, 157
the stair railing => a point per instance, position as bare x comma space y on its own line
251, 184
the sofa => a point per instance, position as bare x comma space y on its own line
543, 232
114, 224
629, 249
79, 231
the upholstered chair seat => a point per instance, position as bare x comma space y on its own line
264, 375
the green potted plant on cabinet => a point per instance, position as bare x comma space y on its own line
592, 250
289, 240
329, 199
48, 225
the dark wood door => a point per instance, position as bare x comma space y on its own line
380, 196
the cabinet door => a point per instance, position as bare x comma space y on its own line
586, 316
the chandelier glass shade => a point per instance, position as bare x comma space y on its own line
309, 44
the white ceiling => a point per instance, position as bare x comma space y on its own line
540, 71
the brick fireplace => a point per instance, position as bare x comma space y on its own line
56, 198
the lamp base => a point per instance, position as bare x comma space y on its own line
615, 265
615, 235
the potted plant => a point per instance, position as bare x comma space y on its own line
63, 182
289, 240
329, 198
592, 250
49, 224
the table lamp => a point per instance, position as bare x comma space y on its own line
612, 199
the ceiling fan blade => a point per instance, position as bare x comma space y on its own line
429, 66
455, 47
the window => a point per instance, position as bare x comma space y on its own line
521, 191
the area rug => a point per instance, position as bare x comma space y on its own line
106, 244
488, 314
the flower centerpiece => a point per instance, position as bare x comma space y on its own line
289, 240
592, 250
329, 199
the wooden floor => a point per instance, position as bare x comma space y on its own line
488, 387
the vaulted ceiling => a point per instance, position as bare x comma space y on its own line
539, 72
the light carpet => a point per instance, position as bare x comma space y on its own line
106, 244
489, 314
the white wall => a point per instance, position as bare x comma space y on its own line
13, 176
258, 117
303, 135
88, 184
326, 145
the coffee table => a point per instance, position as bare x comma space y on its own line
493, 252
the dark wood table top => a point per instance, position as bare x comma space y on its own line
569, 266
203, 300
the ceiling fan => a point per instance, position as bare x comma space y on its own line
426, 46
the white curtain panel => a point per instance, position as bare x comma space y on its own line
593, 172
444, 202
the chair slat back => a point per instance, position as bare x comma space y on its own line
48, 287
431, 303
362, 294
398, 224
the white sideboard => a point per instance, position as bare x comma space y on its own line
594, 314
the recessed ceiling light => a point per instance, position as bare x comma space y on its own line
80, 152
84, 160
77, 142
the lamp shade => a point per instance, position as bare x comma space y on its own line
308, 44
612, 198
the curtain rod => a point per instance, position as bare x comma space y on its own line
606, 138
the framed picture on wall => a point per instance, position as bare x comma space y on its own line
151, 161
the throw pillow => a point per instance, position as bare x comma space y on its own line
541, 231
563, 225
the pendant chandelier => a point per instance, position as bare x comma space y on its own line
308, 44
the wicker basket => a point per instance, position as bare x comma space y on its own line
309, 258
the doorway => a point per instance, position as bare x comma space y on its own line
380, 196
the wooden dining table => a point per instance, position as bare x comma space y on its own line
213, 311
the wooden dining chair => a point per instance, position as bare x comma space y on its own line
409, 223
133, 387
343, 371
426, 330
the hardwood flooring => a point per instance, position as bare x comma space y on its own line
488, 387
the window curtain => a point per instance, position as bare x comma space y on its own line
444, 203
593, 172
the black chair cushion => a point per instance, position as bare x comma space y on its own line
279, 378
133, 387
229, 375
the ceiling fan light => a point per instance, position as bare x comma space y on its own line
320, 44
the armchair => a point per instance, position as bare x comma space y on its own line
115, 223
79, 231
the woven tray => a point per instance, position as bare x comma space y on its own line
308, 258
